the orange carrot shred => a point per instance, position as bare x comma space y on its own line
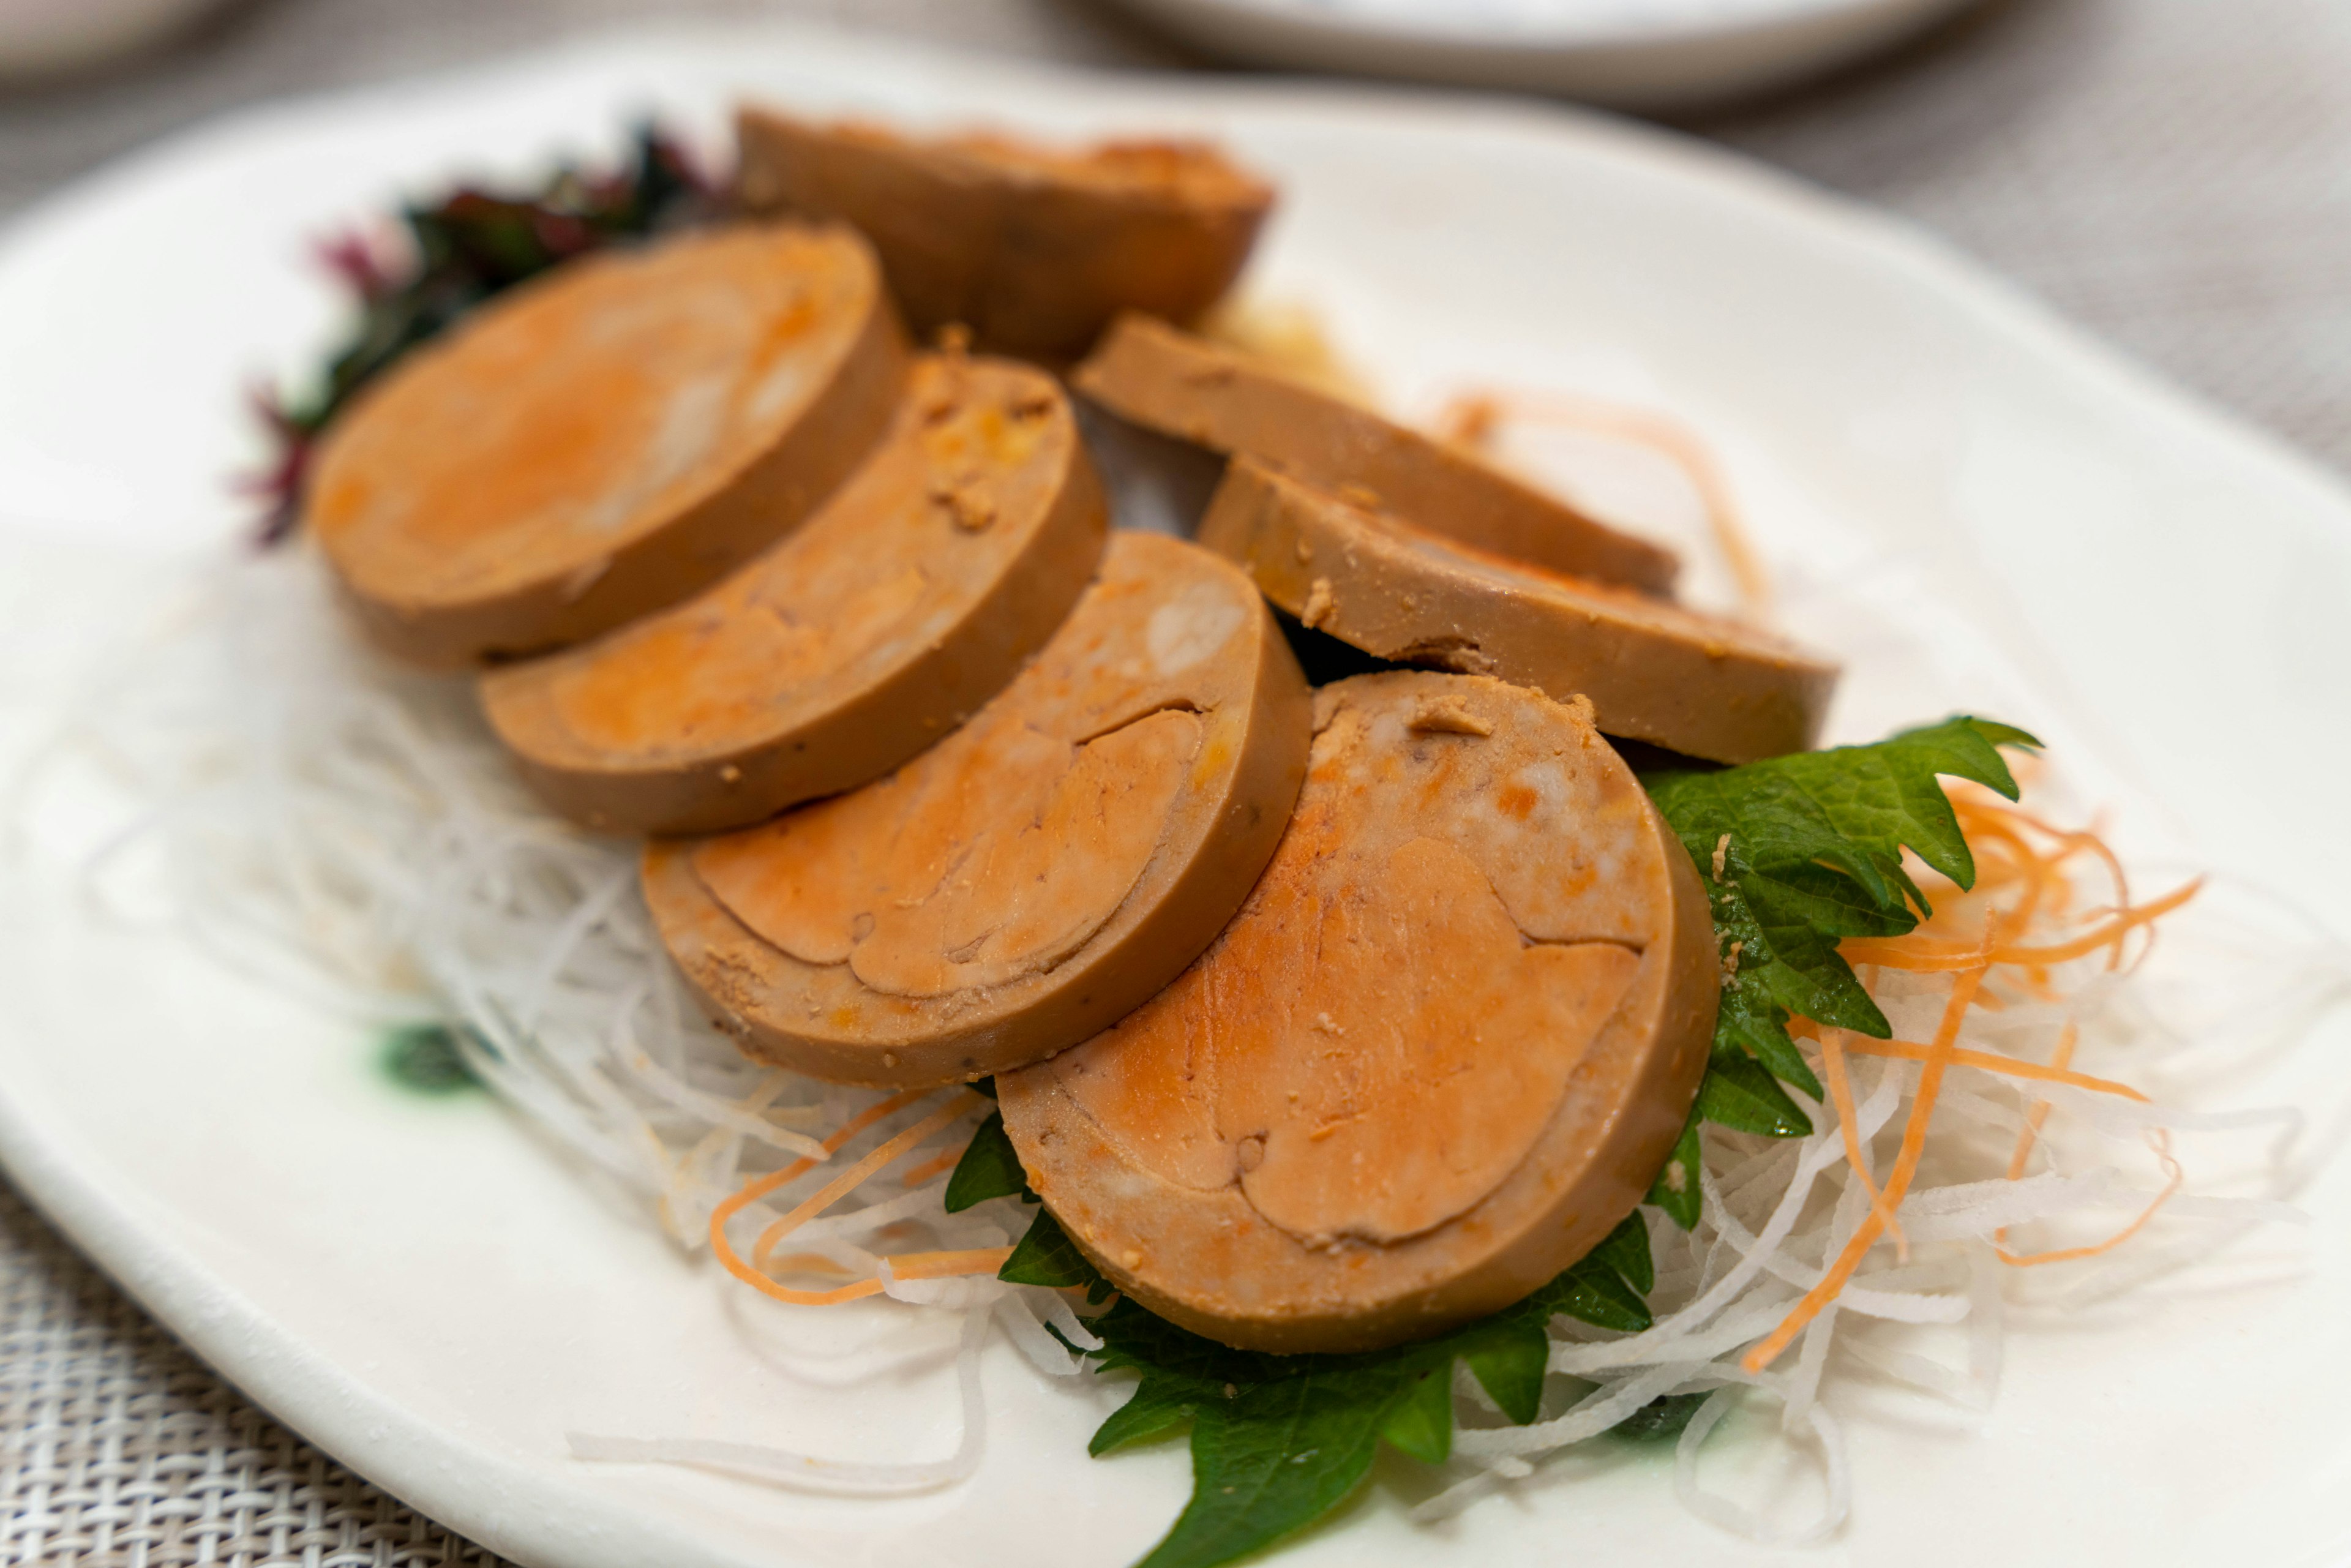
931, 1168
1841, 1096
1921, 955
1906, 1163
2025, 1139
2111, 935
831, 1145
848, 1181
751, 1192
943, 1265
1910, 1050
2072, 841
2058, 1060
1471, 418
2014, 850
2175, 1179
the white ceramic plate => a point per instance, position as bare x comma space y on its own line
1626, 54
429, 1292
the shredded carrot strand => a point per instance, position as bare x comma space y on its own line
2071, 839
1471, 419
856, 1290
2111, 935
848, 1181
931, 1168
2019, 853
1998, 833
2025, 1139
2175, 1178
943, 1265
1925, 954
751, 1192
1906, 1165
1911, 1050
2058, 1060
1841, 1096
802, 1166
2037, 1113
1911, 954
2039, 873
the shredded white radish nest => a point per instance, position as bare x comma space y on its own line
336, 824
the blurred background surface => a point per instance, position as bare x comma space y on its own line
2175, 174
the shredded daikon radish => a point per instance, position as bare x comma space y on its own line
1742, 1521
809, 1472
348, 830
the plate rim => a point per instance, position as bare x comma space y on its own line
1628, 65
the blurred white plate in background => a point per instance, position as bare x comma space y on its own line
1626, 54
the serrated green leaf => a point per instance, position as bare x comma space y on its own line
1420, 1422
1828, 901
1276, 1457
1160, 1403
1626, 1250
1135, 1337
1276, 1441
1676, 1190
1799, 853
1046, 1256
1764, 1037
1597, 1296
1853, 808
1806, 975
1996, 734
1740, 1094
988, 1168
1508, 1362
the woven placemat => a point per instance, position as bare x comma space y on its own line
122, 1451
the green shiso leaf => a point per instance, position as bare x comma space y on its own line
1676, 1189
1180, 1370
988, 1168
1799, 853
425, 1059
1274, 1457
1740, 1094
1626, 1249
1420, 1422
1163, 1401
1597, 1295
1278, 1441
1046, 1256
